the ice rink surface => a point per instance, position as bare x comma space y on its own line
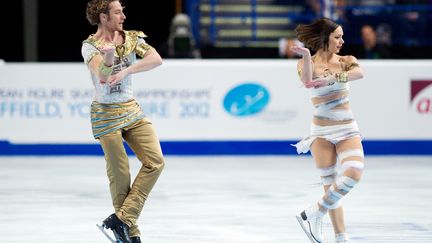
220, 199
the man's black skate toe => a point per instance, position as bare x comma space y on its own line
135, 239
120, 229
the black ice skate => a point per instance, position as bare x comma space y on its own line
119, 229
102, 228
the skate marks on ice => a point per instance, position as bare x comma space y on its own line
218, 199
390, 233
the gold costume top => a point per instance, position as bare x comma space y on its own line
124, 56
130, 44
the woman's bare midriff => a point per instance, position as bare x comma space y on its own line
325, 122
321, 122
334, 96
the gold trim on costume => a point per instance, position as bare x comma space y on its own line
342, 77
130, 44
107, 118
142, 49
91, 57
351, 66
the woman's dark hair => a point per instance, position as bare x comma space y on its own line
316, 35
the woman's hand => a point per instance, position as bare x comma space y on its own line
300, 50
319, 82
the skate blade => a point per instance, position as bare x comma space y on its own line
308, 234
101, 228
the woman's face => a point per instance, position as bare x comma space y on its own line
335, 40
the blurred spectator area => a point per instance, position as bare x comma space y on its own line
253, 28
220, 28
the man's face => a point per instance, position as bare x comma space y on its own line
115, 17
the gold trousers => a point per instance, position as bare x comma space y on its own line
128, 199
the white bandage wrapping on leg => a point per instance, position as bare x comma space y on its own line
341, 238
350, 153
335, 205
335, 194
333, 201
328, 175
345, 184
352, 164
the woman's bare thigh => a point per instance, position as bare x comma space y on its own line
323, 152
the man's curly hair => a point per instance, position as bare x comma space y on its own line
95, 8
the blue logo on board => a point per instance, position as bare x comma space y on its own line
246, 99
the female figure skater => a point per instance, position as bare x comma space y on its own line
334, 133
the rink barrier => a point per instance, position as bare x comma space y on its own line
214, 107
197, 148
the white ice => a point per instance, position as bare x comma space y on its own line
220, 199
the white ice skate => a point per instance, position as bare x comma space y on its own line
311, 222
342, 238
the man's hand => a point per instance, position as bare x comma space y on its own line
115, 78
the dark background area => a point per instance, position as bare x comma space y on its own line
11, 48
62, 26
